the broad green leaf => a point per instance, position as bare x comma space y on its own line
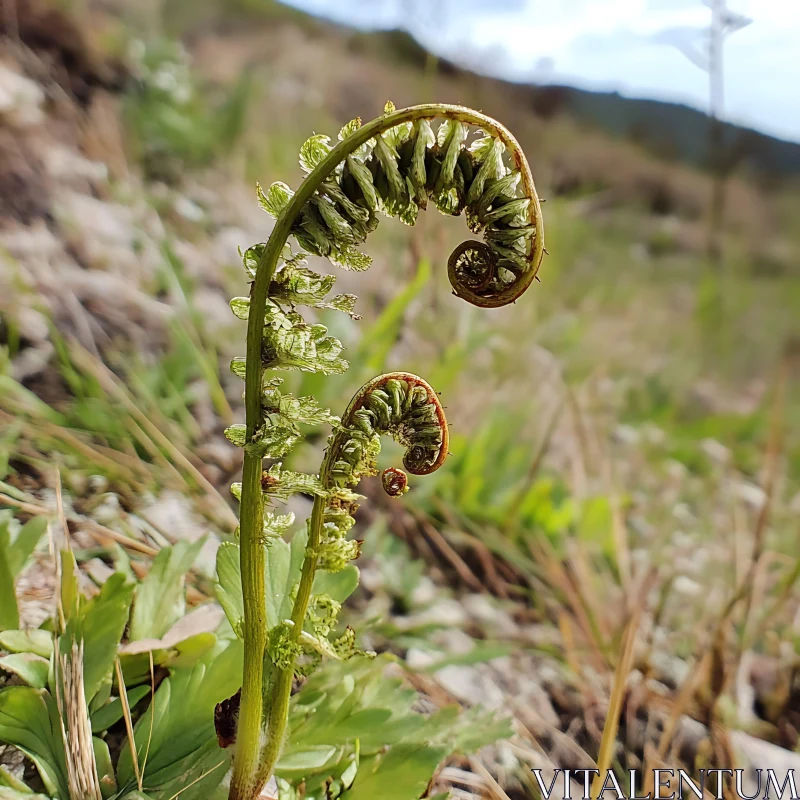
196, 776
9, 612
7, 793
112, 712
105, 769
29, 721
184, 744
25, 543
403, 773
182, 646
34, 641
30, 668
9, 781
229, 585
283, 564
296, 765
338, 585
160, 601
103, 622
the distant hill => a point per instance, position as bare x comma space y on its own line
671, 130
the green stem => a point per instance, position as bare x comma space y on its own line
261, 731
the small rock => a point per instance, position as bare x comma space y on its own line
625, 434
685, 585
424, 593
751, 494
446, 612
468, 684
21, 99
716, 451
70, 168
481, 608
188, 209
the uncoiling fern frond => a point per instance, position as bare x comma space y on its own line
396, 173
394, 165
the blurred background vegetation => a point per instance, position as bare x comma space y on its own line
626, 446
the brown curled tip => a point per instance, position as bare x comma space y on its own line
395, 482
226, 720
474, 273
268, 481
427, 466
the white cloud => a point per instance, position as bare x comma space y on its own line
610, 44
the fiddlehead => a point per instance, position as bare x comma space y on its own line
403, 167
394, 165
402, 406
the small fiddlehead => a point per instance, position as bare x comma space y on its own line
402, 406
394, 165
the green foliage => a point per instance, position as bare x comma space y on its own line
160, 600
354, 711
350, 727
17, 543
182, 748
171, 123
29, 721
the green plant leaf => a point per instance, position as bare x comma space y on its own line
159, 600
292, 344
236, 434
281, 484
103, 622
275, 199
29, 720
112, 712
9, 781
29, 667
337, 585
303, 762
349, 129
8, 793
313, 151
105, 769
24, 543
9, 612
184, 745
34, 641
403, 773
283, 564
229, 585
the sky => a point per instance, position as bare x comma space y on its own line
636, 47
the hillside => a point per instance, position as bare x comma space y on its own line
670, 130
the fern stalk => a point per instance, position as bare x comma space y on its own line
265, 697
